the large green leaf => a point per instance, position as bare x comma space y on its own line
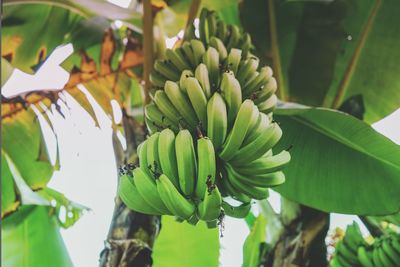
252, 247
32, 239
182, 245
339, 163
22, 142
324, 52
9, 200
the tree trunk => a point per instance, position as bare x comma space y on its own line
302, 243
131, 234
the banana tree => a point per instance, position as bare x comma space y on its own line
321, 54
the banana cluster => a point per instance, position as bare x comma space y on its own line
211, 130
353, 250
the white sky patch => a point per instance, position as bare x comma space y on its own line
121, 3
118, 24
117, 112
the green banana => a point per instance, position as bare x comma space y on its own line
176, 203
167, 156
364, 257
157, 79
234, 37
186, 161
347, 254
264, 142
178, 60
265, 165
147, 188
206, 165
181, 103
203, 26
233, 60
245, 70
188, 52
129, 194
165, 106
152, 127
211, 23
154, 114
238, 132
256, 84
384, 258
222, 31
142, 152
209, 208
232, 93
197, 98
266, 91
259, 180
167, 70
236, 211
219, 45
201, 74
226, 186
249, 190
268, 105
198, 50
217, 120
153, 160
390, 250
185, 74
256, 129
211, 60
246, 44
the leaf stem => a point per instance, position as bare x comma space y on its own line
193, 10
276, 60
148, 42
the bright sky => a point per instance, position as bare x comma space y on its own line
88, 170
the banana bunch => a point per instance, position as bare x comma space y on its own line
353, 250
219, 49
172, 179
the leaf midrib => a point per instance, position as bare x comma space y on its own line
342, 140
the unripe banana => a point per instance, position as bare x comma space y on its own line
167, 70
186, 161
219, 45
171, 197
210, 208
152, 113
167, 156
264, 142
152, 127
177, 59
211, 23
222, 31
211, 60
236, 211
268, 105
197, 98
206, 165
390, 250
364, 257
238, 132
217, 120
387, 262
157, 79
129, 194
346, 255
233, 60
203, 26
376, 259
257, 83
147, 188
255, 131
250, 190
190, 33
246, 44
181, 103
268, 89
201, 74
198, 50
232, 191
188, 53
265, 165
234, 37
153, 160
232, 94
185, 74
248, 68
165, 106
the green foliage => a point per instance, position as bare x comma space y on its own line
339, 163
253, 245
324, 53
181, 244
31, 238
